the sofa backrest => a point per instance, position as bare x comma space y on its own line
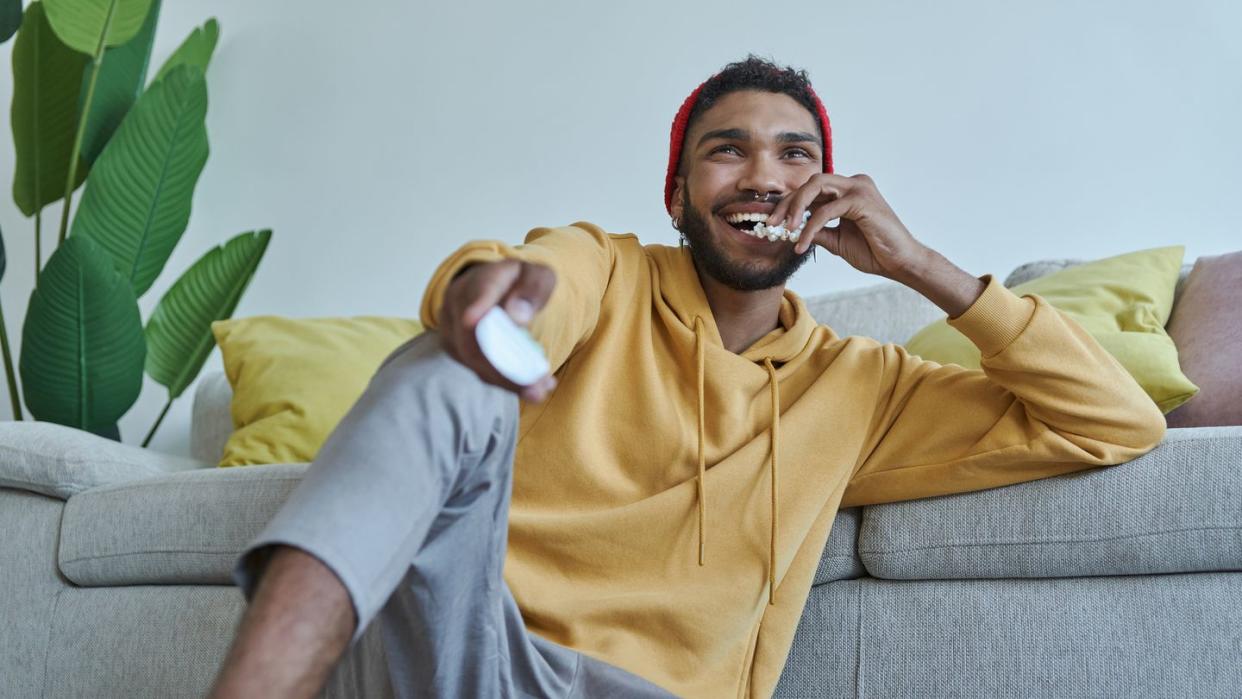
888, 312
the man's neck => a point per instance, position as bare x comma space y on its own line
742, 317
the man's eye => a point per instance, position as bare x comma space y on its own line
799, 151
721, 149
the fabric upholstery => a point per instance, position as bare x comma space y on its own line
140, 533
31, 525
185, 528
823, 661
1124, 636
212, 419
1207, 326
168, 641
104, 642
840, 560
59, 461
1175, 509
888, 312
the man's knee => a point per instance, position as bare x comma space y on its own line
423, 367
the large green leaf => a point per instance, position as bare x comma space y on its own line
10, 18
196, 50
122, 75
90, 26
137, 200
179, 333
82, 342
46, 78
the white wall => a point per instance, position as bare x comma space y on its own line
375, 137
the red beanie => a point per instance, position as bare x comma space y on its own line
679, 135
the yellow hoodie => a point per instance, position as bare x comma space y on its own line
672, 499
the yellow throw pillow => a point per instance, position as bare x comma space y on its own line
294, 379
1123, 302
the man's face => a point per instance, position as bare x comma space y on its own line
748, 142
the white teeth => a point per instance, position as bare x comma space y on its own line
771, 233
739, 217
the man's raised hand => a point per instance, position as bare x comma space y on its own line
520, 288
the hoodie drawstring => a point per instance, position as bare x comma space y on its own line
775, 435
698, 343
776, 441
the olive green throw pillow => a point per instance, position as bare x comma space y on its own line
1123, 302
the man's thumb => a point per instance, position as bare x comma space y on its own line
519, 309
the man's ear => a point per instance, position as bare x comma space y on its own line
678, 186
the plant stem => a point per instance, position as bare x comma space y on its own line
38, 244
86, 110
77, 147
158, 420
8, 369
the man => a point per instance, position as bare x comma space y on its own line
671, 498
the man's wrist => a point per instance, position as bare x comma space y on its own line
951, 288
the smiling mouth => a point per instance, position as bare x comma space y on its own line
754, 225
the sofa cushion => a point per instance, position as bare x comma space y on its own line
1041, 268
59, 461
1174, 509
189, 528
1121, 636
840, 560
888, 312
30, 525
212, 418
294, 379
184, 528
1207, 326
167, 641
1122, 301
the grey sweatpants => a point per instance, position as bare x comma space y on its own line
408, 504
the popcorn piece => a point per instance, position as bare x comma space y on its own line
778, 232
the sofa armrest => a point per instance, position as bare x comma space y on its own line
212, 420
60, 461
174, 529
1173, 510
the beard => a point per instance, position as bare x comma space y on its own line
741, 275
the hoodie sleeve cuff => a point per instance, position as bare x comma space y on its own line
471, 253
995, 319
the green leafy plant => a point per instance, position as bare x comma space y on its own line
84, 112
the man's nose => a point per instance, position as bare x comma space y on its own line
762, 175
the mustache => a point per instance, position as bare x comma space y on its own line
768, 198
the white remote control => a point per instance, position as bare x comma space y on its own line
510, 348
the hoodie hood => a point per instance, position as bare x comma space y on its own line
679, 286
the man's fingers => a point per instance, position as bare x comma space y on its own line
819, 218
788, 212
529, 292
540, 390
492, 284
807, 199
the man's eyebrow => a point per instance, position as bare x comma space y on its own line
727, 134
797, 137
744, 135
